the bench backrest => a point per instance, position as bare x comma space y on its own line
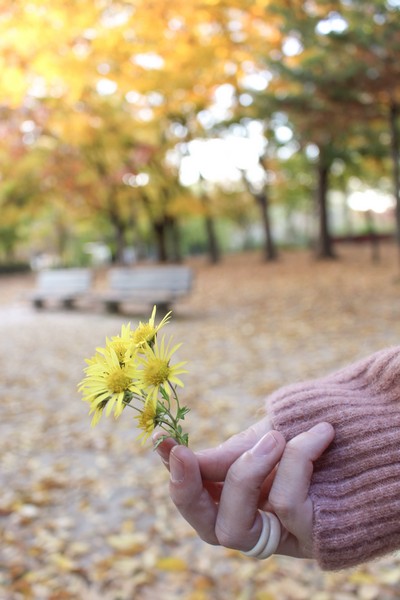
174, 279
64, 280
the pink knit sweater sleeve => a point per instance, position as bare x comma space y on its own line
355, 487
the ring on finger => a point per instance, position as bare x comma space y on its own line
269, 539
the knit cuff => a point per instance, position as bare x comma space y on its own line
355, 486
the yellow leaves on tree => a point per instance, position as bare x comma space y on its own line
62, 48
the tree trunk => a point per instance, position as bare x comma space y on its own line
324, 243
213, 246
119, 243
373, 238
61, 239
119, 228
270, 252
175, 239
160, 231
395, 146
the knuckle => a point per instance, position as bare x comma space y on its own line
234, 478
181, 503
243, 474
283, 510
305, 448
282, 505
180, 497
293, 446
298, 455
247, 435
296, 451
226, 537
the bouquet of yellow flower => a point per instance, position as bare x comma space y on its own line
134, 370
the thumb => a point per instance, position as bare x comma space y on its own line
289, 496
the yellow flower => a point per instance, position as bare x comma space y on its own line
134, 368
157, 370
107, 383
121, 347
147, 421
122, 344
145, 333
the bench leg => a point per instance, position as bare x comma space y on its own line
112, 306
68, 303
38, 303
163, 308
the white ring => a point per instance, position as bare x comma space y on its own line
269, 539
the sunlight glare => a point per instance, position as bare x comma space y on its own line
106, 87
148, 60
370, 200
219, 160
334, 23
292, 46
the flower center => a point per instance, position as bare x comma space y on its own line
144, 333
118, 382
156, 372
147, 419
120, 350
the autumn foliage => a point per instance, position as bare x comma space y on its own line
101, 101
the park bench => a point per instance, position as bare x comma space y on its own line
62, 286
160, 285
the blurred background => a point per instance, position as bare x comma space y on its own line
245, 139
158, 130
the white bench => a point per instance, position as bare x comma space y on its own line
63, 286
160, 285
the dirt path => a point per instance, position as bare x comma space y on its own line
85, 513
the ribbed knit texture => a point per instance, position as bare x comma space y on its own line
355, 487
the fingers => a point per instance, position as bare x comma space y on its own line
228, 513
164, 448
289, 495
234, 522
238, 523
215, 462
188, 494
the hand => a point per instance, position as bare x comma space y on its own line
220, 491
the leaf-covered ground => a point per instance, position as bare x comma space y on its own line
85, 513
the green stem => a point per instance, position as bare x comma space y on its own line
132, 406
129, 396
171, 427
175, 394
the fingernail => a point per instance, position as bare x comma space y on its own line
177, 468
265, 445
161, 451
321, 428
156, 436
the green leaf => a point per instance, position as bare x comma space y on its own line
159, 441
